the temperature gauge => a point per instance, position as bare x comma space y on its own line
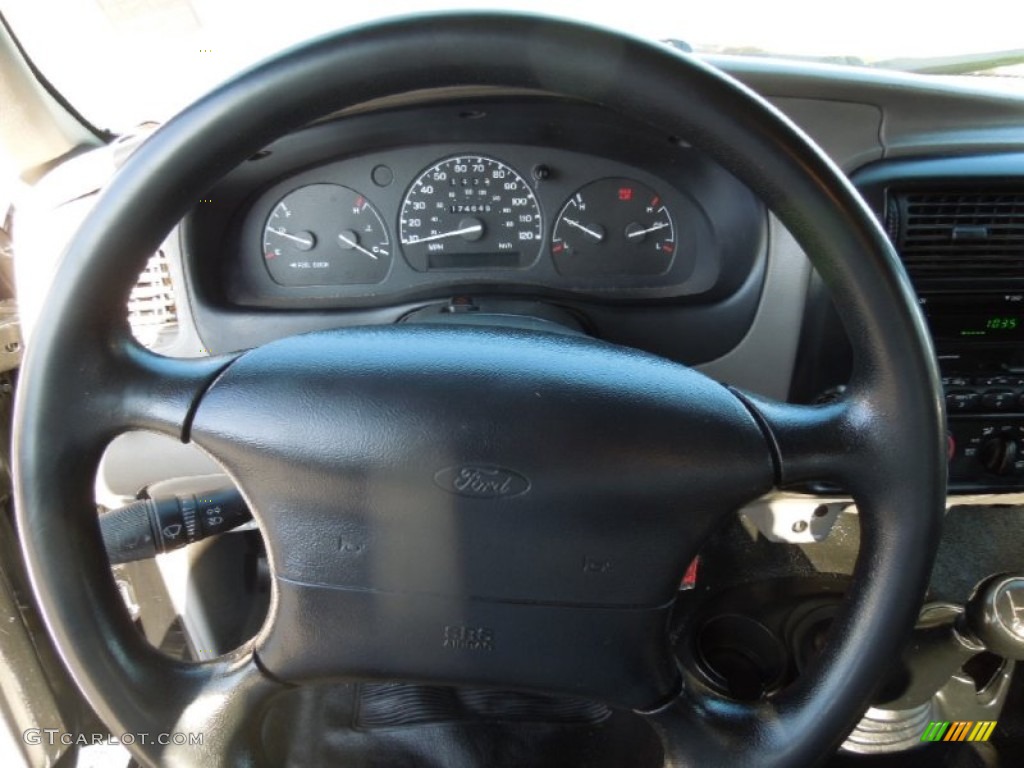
614, 227
326, 234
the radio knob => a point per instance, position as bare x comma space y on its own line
999, 455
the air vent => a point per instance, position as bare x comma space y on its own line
961, 234
152, 312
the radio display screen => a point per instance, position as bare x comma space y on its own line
980, 326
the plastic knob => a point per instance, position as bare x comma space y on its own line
995, 615
999, 456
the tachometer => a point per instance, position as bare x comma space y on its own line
470, 212
326, 234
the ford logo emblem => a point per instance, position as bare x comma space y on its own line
482, 482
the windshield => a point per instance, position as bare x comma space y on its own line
125, 62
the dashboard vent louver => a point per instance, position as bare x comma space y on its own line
959, 233
152, 310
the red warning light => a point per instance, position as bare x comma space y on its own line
625, 194
690, 579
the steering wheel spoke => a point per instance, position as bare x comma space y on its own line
124, 386
208, 713
850, 444
218, 709
160, 393
810, 443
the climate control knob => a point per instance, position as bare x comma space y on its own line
1000, 456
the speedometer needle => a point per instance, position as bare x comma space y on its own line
351, 243
655, 228
593, 233
471, 230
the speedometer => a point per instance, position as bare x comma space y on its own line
470, 212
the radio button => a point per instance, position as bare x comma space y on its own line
999, 400
955, 381
1000, 381
962, 401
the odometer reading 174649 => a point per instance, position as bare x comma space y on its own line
470, 212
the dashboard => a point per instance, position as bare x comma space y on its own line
500, 204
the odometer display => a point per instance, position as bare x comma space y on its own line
470, 212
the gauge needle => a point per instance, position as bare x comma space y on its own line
655, 228
594, 234
353, 244
303, 241
454, 233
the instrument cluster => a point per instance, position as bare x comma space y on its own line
465, 200
466, 212
417, 217
520, 197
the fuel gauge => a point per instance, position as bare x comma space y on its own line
326, 234
614, 226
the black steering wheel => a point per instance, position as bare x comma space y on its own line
358, 436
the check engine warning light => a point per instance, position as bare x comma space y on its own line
625, 194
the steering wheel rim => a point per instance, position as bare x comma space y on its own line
86, 380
